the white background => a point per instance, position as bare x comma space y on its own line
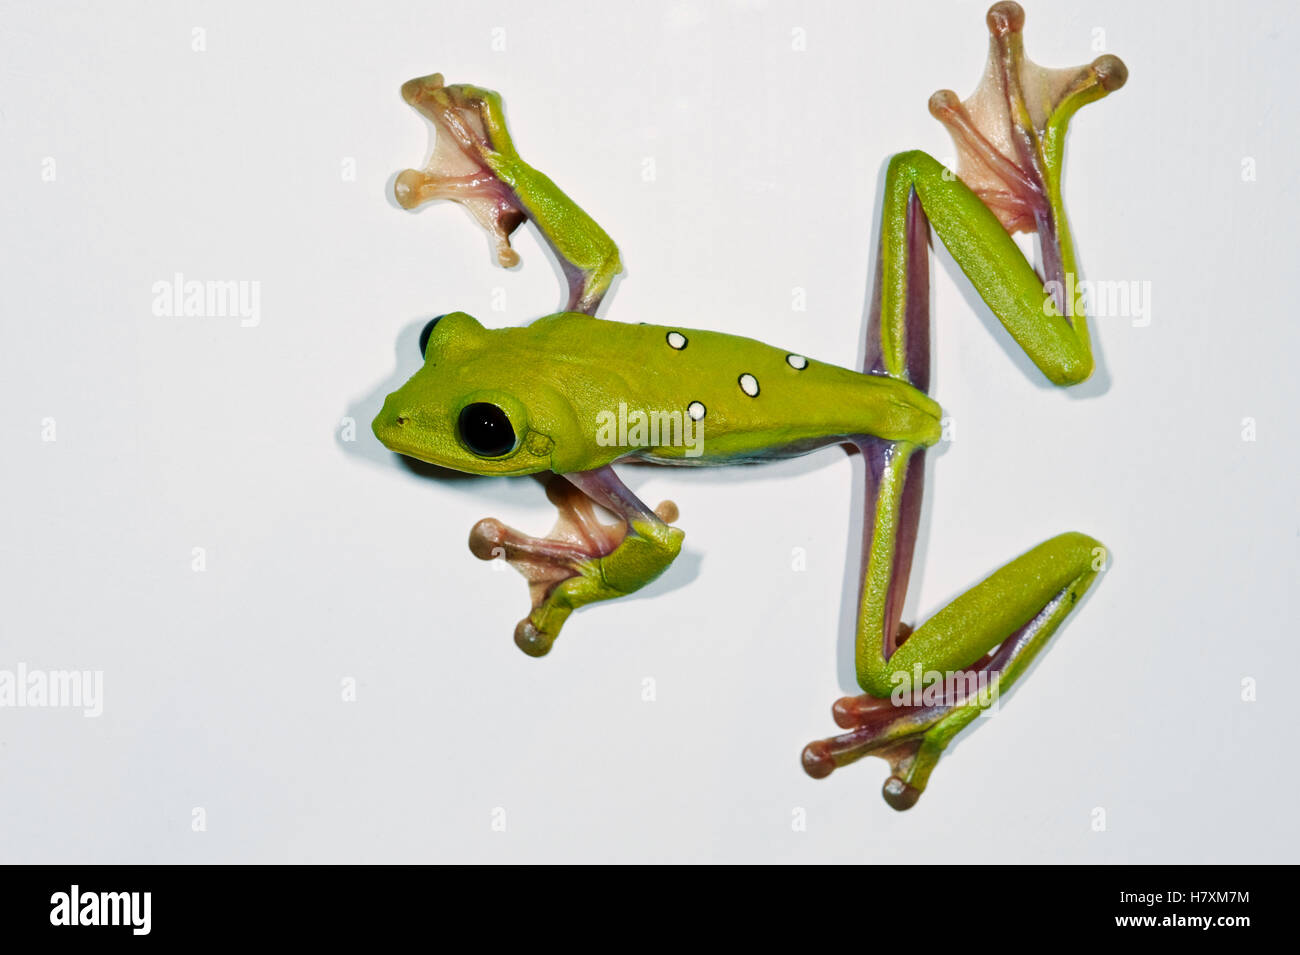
329, 559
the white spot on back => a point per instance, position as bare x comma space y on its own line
749, 385
797, 362
676, 340
696, 410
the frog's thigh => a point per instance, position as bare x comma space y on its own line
1040, 587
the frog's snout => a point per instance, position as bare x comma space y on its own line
390, 423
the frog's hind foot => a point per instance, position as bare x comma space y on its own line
1009, 134
582, 560
1007, 131
897, 734
911, 728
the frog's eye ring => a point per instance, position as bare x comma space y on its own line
428, 330
486, 430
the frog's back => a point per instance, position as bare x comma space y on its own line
750, 401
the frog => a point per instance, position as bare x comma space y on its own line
571, 394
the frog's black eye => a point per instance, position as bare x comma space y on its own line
428, 330
486, 430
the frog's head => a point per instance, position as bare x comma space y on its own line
476, 405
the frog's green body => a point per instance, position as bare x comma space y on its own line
558, 376
573, 394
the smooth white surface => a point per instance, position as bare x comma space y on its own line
329, 559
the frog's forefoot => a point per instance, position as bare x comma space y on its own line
582, 560
489, 202
1010, 133
462, 167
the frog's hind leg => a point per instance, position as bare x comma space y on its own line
583, 559
924, 687
898, 345
929, 689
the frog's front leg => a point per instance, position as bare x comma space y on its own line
582, 560
475, 163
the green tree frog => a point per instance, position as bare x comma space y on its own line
573, 394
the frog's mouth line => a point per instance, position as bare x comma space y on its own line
391, 433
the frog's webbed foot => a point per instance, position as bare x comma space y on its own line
471, 141
583, 559
1010, 133
475, 163
911, 732
877, 727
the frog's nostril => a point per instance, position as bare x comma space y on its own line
401, 419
